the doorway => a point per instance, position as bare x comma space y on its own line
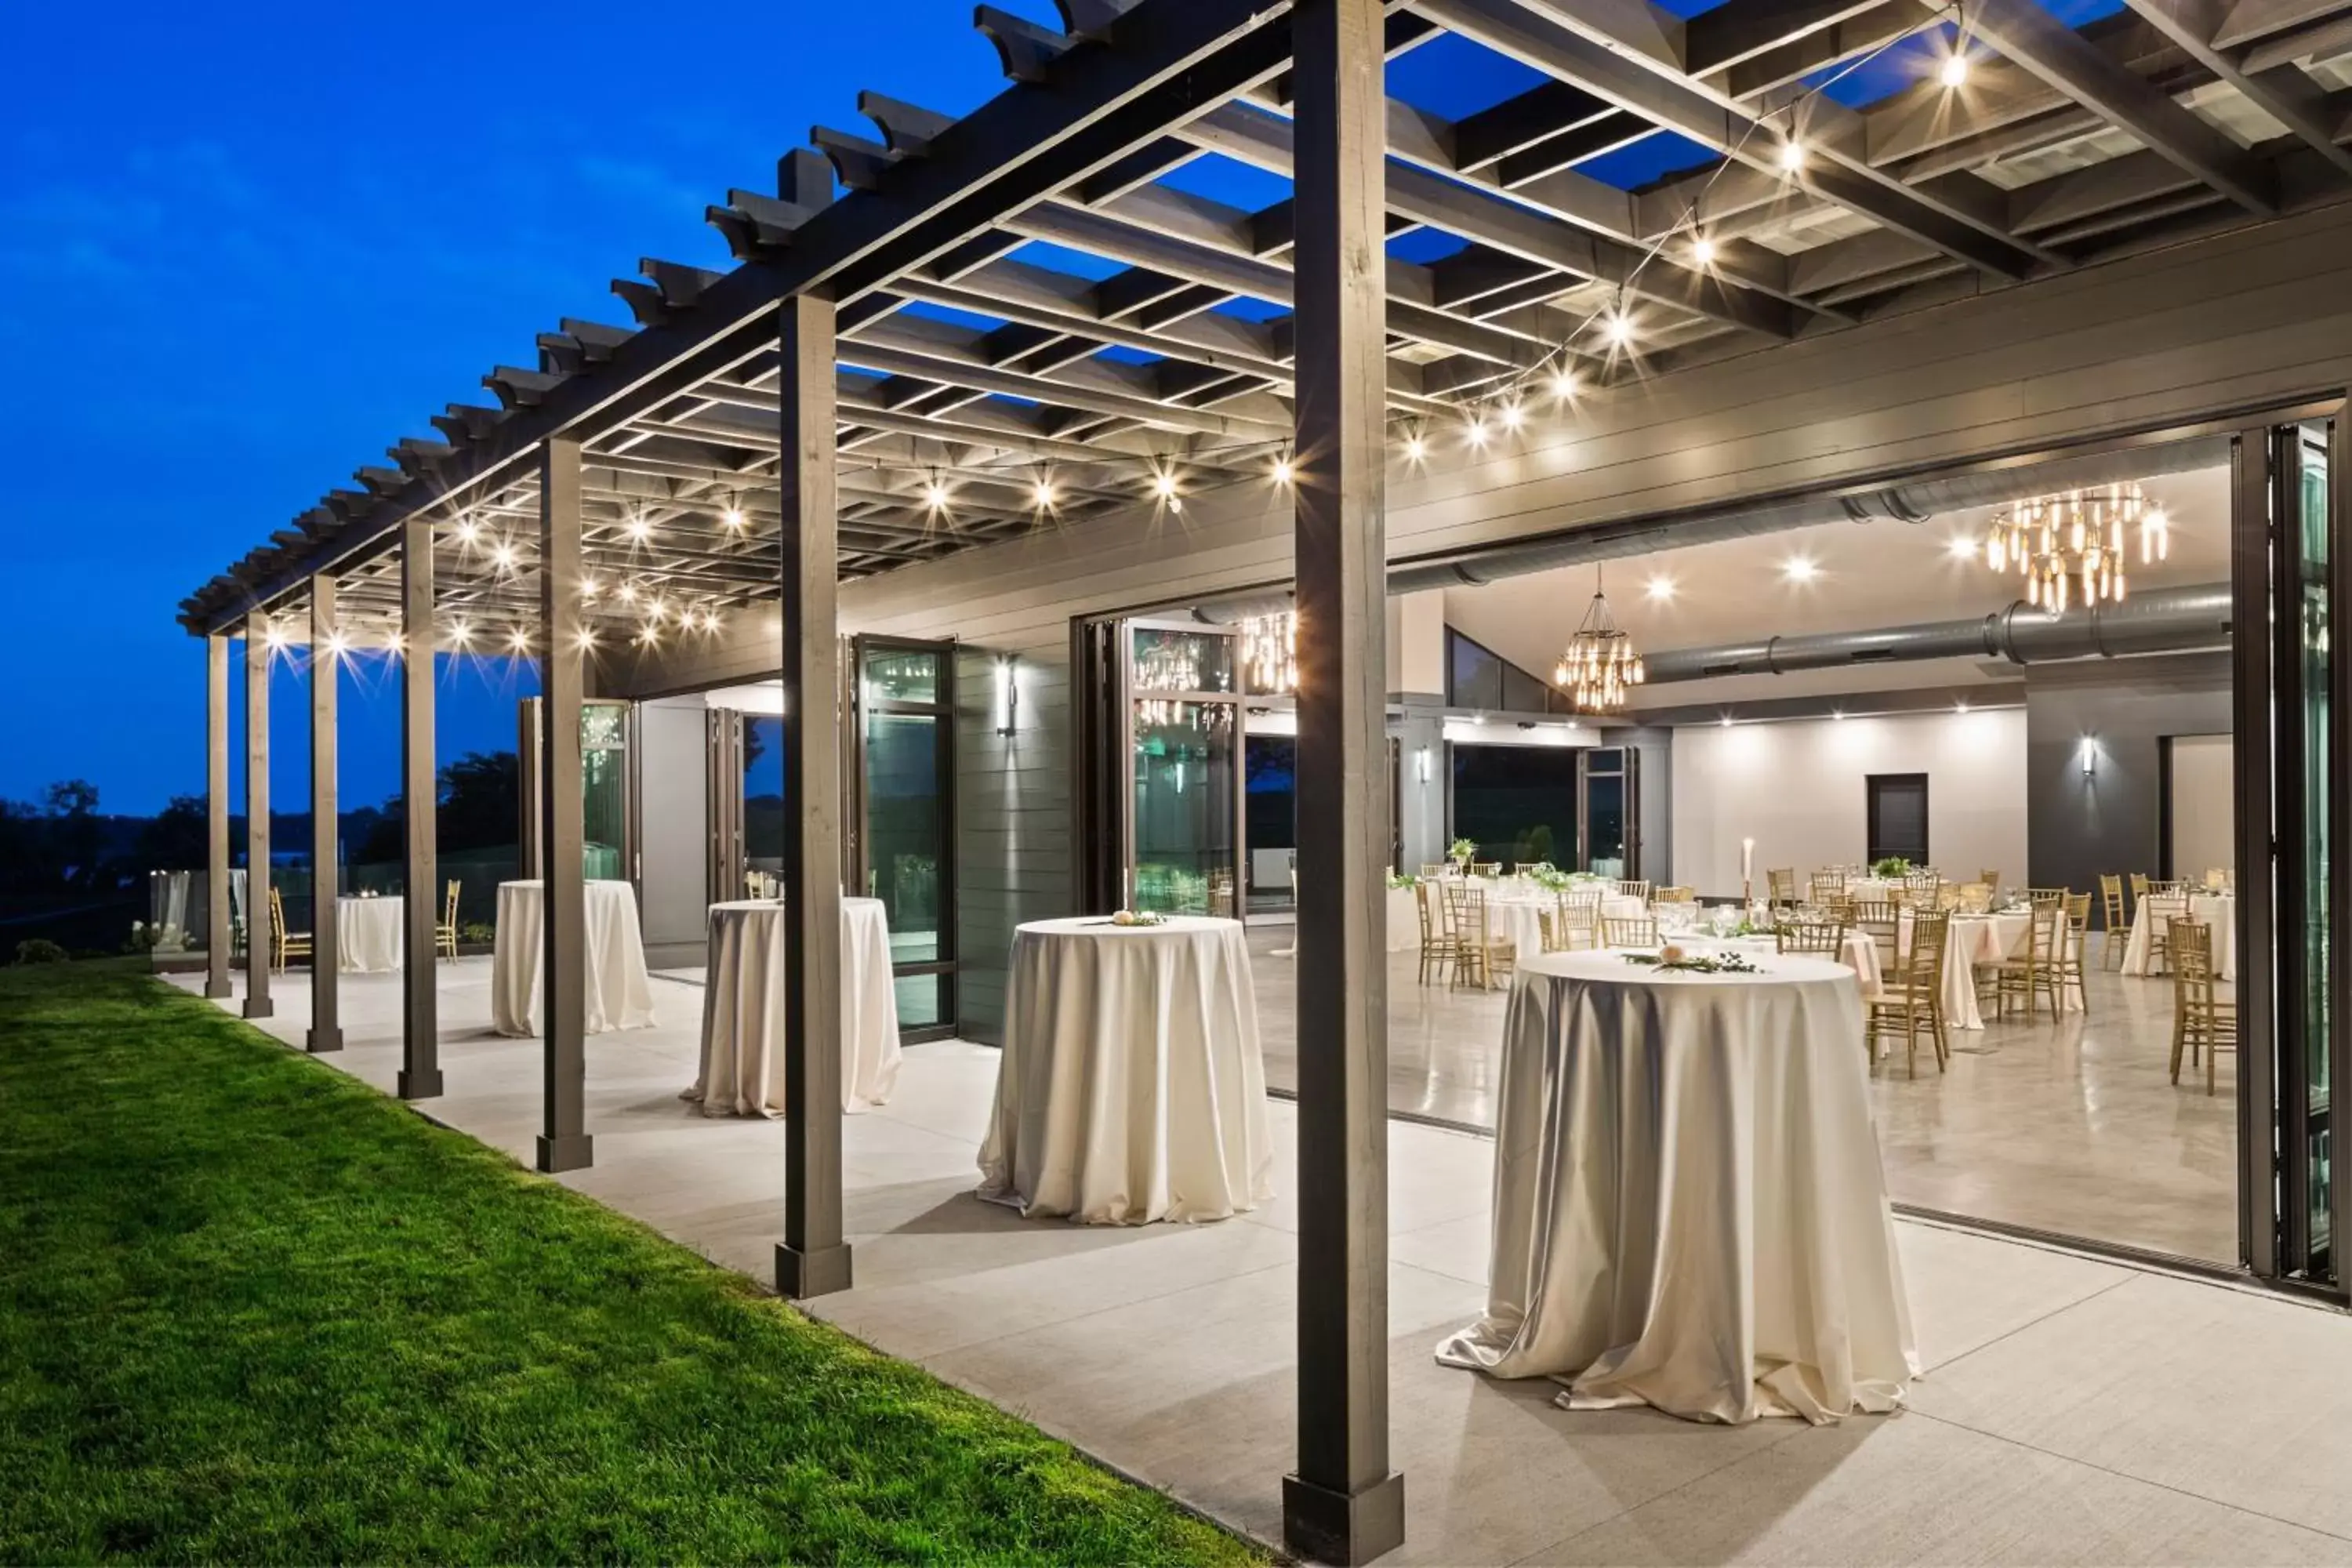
902, 817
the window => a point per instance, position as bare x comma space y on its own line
1517, 802
1898, 816
1477, 676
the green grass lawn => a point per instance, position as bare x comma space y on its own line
249, 1309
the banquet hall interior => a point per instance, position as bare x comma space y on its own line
1831, 683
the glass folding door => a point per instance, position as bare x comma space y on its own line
902, 848
608, 793
1183, 762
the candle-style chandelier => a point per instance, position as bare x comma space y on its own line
2077, 537
1599, 665
1270, 652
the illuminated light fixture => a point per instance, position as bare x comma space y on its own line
2090, 756
1476, 431
733, 517
1726, 721
1954, 71
1618, 328
1702, 252
628, 592
1801, 569
273, 635
338, 644
1961, 706
468, 532
1270, 652
1793, 155
1599, 665
1837, 713
1962, 548
520, 641
1563, 384
1514, 416
588, 589
1283, 471
650, 634
2077, 538
1662, 588
585, 639
935, 497
1416, 448
503, 557
1043, 494
460, 633
658, 610
1163, 486
639, 530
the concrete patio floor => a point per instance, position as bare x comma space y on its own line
2074, 1410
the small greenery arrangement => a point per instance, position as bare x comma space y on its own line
1403, 879
1544, 875
474, 934
1462, 849
1695, 962
1133, 918
1893, 865
40, 949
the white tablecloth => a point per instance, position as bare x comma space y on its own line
1689, 1206
743, 1010
1131, 1085
620, 991
1520, 916
368, 936
1404, 919
2218, 911
1971, 939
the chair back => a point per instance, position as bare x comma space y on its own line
1783, 884
1990, 877
1635, 890
2077, 909
1465, 911
449, 903
1424, 903
1487, 869
1824, 937
1924, 880
2191, 946
1675, 896
1577, 915
2166, 907
2040, 896
1881, 920
1431, 872
1828, 887
2111, 899
276, 914
1626, 931
2138, 885
1921, 978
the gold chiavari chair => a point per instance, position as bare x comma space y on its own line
1675, 896
1825, 938
1975, 898
1438, 949
2074, 940
1480, 958
284, 944
1991, 878
1575, 923
1629, 931
2139, 887
444, 934
1880, 920
2200, 1020
2111, 909
1634, 889
1828, 887
2039, 895
1431, 872
1910, 1001
1924, 883
2162, 909
1783, 886
2031, 974
1489, 869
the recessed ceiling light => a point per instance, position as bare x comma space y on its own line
1801, 569
1662, 587
1962, 547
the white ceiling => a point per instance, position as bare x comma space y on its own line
1866, 575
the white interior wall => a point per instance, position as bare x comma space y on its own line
1798, 789
2204, 804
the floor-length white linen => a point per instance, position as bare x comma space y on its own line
1131, 1087
1971, 939
1689, 1208
743, 1010
368, 934
620, 992
1520, 916
2216, 911
1404, 919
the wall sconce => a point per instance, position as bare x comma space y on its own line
1421, 764
1008, 677
2090, 756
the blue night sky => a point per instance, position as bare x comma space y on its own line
243, 250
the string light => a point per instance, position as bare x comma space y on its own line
1282, 471
733, 517
1416, 447
588, 588
935, 497
1702, 252
1163, 486
503, 557
1044, 495
459, 632
520, 641
338, 644
585, 639
1513, 415
1618, 329
1954, 71
639, 530
1563, 384
468, 531
1793, 155
1476, 431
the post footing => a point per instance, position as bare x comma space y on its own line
801, 1275
261, 1007
557, 1156
418, 1084
1341, 1528
318, 1043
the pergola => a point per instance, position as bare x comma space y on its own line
949, 334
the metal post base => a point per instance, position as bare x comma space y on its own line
801, 1275
319, 1045
261, 1007
418, 1084
557, 1156
1338, 1527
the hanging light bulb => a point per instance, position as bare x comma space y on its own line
1476, 431
733, 517
1618, 327
1954, 71
639, 530
935, 496
459, 632
1563, 384
1702, 252
468, 531
1283, 472
1043, 494
503, 556
1163, 488
1416, 448
1514, 416
585, 639
519, 640
1793, 155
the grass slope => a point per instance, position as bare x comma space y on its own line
251, 1310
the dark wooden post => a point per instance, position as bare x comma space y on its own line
220, 921
563, 1141
1343, 1504
420, 794
259, 943
326, 850
813, 1259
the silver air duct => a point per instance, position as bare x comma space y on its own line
2162, 620
1908, 503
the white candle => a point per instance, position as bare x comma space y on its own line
1748, 859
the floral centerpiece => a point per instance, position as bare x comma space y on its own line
1403, 879
1462, 851
1137, 918
1893, 868
1686, 962
1547, 876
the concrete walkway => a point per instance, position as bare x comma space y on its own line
2075, 1411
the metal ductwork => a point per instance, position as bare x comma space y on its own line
1912, 503
2162, 620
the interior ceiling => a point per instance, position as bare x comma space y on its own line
1088, 281
1866, 575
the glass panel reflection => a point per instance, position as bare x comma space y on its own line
1185, 813
604, 790
906, 829
2318, 996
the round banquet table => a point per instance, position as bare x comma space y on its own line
1131, 1087
743, 1010
1520, 916
1971, 939
2218, 910
367, 934
620, 993
1689, 1209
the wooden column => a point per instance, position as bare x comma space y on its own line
420, 794
259, 943
563, 1142
219, 919
326, 850
813, 1259
1343, 1504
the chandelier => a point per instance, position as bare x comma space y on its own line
1270, 652
1599, 665
2077, 536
